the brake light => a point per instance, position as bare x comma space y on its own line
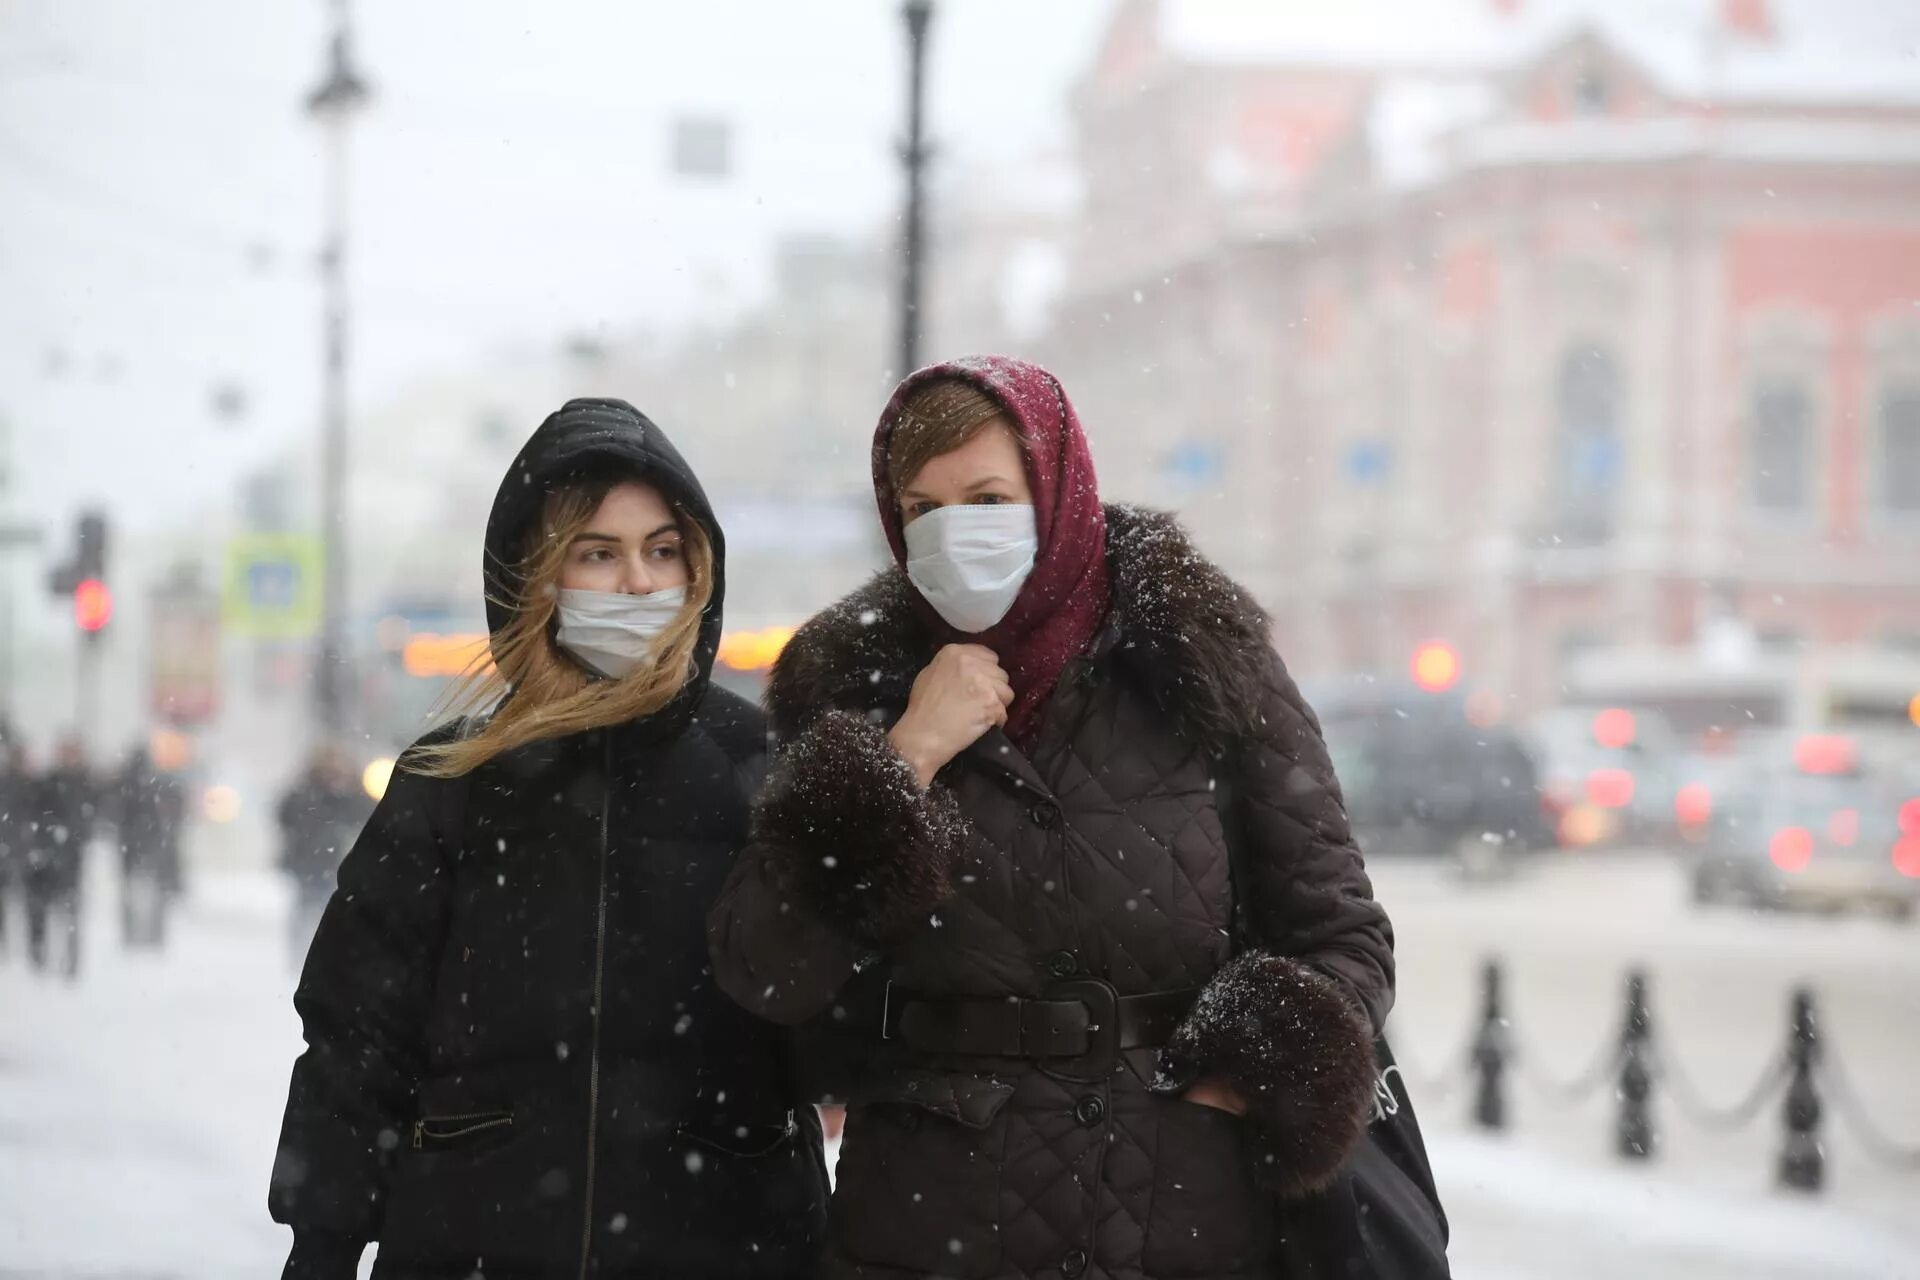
1792, 849
1843, 827
1823, 753
1614, 728
1906, 857
1585, 824
1910, 818
1693, 805
1610, 788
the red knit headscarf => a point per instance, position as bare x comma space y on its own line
1064, 601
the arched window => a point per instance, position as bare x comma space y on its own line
1899, 452
1780, 461
1589, 456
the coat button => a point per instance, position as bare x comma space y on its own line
1044, 814
1090, 1110
1063, 964
1074, 1263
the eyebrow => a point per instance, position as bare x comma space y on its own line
982, 483
590, 536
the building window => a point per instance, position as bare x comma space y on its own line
1779, 639
1780, 447
1899, 460
1592, 95
1588, 450
1576, 642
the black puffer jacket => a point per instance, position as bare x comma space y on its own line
1094, 868
518, 1062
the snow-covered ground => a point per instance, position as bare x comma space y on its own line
139, 1109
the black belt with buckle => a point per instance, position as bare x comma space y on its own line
1078, 1025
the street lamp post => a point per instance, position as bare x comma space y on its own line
341, 92
913, 154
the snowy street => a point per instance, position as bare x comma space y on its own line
138, 1111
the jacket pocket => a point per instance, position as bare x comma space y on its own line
475, 1129
749, 1141
1209, 1218
918, 1185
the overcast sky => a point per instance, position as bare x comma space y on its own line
161, 189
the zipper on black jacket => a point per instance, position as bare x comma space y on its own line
599, 979
449, 1128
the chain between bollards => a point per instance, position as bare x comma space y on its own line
1692, 1100
1858, 1116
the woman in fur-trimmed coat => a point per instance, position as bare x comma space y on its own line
1007, 767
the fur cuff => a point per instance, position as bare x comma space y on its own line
872, 852
1295, 1047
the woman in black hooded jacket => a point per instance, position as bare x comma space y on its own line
518, 1064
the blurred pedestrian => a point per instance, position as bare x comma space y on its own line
19, 808
1008, 771
67, 802
148, 808
320, 816
518, 1063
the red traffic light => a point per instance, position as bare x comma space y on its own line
92, 605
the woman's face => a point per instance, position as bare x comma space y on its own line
631, 546
988, 470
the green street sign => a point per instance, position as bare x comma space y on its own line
273, 586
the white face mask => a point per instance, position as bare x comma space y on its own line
971, 561
612, 632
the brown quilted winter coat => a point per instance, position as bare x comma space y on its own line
1100, 856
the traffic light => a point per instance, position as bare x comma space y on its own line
92, 605
90, 545
84, 577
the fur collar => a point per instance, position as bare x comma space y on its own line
1189, 636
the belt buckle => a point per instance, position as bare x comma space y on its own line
1103, 1026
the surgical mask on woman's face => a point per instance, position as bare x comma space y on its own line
613, 632
971, 561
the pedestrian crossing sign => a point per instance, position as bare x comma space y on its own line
273, 586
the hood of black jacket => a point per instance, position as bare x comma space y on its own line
582, 439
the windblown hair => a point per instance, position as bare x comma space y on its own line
939, 418
533, 689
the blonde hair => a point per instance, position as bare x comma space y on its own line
537, 692
938, 418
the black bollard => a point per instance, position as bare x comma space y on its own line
1490, 1052
1803, 1162
1633, 1135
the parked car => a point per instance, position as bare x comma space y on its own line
1421, 778
1609, 774
1815, 830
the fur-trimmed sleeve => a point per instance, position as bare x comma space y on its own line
847, 853
1290, 1021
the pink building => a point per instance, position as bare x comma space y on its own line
1533, 325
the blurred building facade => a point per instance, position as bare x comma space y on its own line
1533, 326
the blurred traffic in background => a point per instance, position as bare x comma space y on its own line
1550, 369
